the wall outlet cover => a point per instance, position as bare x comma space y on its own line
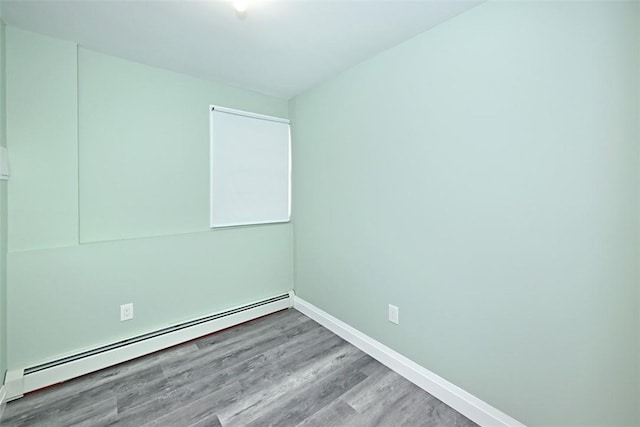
393, 314
126, 312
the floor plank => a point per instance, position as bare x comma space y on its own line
283, 369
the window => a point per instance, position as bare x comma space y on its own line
250, 168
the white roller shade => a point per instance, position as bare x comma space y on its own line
250, 168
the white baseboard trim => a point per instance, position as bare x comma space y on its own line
468, 405
17, 383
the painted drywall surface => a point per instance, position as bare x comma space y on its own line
42, 133
3, 280
133, 115
483, 178
169, 280
638, 231
64, 288
3, 219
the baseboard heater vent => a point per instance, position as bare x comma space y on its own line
62, 369
150, 335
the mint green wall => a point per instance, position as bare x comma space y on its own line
638, 123
3, 219
132, 115
483, 177
42, 134
108, 202
64, 299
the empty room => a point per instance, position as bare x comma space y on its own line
319, 213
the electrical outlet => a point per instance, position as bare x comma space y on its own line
126, 312
393, 314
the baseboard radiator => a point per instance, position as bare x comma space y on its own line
3, 398
21, 381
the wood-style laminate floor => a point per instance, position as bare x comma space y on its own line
279, 370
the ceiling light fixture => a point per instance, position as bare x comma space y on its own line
240, 6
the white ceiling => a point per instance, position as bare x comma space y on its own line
279, 47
